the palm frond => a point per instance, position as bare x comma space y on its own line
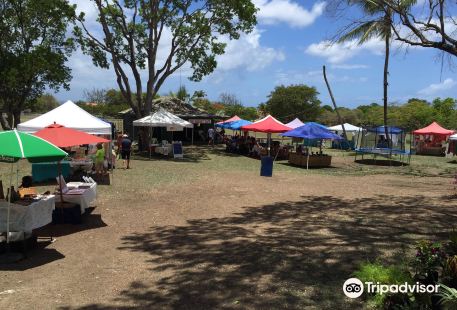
359, 33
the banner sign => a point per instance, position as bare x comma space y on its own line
199, 121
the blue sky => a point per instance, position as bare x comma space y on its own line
288, 46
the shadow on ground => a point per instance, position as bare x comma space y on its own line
381, 162
293, 255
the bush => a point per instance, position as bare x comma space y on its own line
376, 272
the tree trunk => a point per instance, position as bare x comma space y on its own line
386, 73
16, 118
4, 122
340, 120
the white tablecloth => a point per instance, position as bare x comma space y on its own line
85, 200
85, 165
27, 218
164, 150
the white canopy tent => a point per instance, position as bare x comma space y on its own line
163, 118
70, 116
348, 127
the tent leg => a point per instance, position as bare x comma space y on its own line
307, 161
9, 207
9, 257
192, 136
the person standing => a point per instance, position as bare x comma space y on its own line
99, 159
211, 136
126, 149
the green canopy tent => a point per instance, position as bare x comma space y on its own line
15, 146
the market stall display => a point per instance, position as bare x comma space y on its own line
27, 215
82, 194
163, 118
431, 140
304, 156
16, 146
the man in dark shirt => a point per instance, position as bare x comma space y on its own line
126, 149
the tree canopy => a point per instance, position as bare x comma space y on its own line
289, 102
158, 37
34, 47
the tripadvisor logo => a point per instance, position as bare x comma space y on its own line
354, 288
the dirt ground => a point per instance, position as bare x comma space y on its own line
212, 234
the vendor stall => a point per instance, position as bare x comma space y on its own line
304, 156
431, 140
16, 146
163, 118
27, 215
82, 194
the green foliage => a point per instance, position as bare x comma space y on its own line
45, 103
34, 47
376, 272
182, 94
104, 109
132, 32
229, 106
429, 258
289, 102
448, 297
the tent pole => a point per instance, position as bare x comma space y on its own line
307, 161
192, 136
9, 207
269, 143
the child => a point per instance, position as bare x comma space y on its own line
99, 159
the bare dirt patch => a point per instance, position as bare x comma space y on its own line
211, 233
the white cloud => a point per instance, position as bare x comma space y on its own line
247, 52
289, 12
313, 77
434, 89
349, 67
337, 53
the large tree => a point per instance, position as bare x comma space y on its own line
155, 38
430, 23
34, 47
289, 102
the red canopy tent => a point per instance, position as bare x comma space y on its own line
232, 119
268, 124
62, 136
433, 129
431, 140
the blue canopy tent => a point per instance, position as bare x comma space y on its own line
312, 131
380, 130
235, 125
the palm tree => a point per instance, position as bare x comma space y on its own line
377, 25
